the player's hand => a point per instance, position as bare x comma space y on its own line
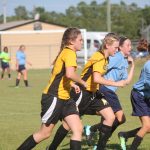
76, 88
130, 60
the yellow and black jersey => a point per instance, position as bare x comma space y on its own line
97, 63
59, 84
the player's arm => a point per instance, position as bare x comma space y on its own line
71, 74
98, 78
131, 72
76, 87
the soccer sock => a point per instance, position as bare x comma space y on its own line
17, 82
95, 127
28, 144
104, 135
131, 133
9, 76
2, 75
136, 142
59, 136
26, 82
75, 145
115, 125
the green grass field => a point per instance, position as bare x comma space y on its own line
20, 112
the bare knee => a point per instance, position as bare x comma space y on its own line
109, 119
146, 128
122, 119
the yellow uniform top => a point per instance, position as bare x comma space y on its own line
59, 84
97, 63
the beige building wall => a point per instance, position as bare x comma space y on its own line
41, 49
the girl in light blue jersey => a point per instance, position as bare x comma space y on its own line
20, 65
140, 99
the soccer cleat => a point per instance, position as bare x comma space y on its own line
122, 140
88, 135
95, 147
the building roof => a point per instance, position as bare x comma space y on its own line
14, 24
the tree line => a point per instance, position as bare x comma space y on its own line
125, 19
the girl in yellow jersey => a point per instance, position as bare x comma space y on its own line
56, 101
88, 101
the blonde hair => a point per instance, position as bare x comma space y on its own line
109, 39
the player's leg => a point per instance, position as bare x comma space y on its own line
106, 127
60, 134
76, 127
43, 133
24, 72
141, 133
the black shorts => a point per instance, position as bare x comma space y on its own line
89, 103
4, 65
55, 109
112, 98
21, 67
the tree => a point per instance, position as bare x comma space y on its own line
21, 13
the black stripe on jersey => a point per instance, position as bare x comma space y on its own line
88, 73
53, 89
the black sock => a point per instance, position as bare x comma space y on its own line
131, 133
136, 142
95, 127
59, 136
115, 125
26, 82
75, 145
104, 135
9, 76
2, 75
17, 82
28, 144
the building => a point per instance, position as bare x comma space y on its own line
42, 41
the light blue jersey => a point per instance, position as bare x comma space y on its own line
143, 84
117, 69
20, 55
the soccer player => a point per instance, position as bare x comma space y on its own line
20, 65
140, 100
56, 102
117, 71
5, 59
87, 100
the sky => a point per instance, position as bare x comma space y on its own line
56, 5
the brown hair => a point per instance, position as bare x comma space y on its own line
5, 49
142, 45
69, 35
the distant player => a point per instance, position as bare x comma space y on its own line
20, 65
5, 59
